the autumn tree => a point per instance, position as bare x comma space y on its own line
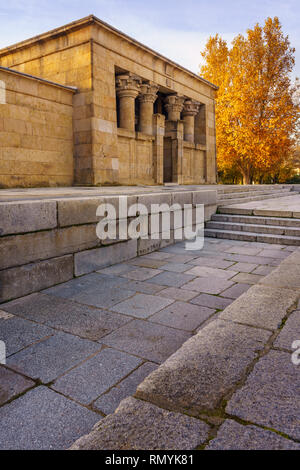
256, 116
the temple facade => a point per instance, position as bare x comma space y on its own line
87, 105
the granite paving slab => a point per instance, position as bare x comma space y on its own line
263, 270
236, 290
243, 250
212, 262
142, 287
290, 332
71, 317
157, 255
83, 283
116, 269
207, 271
105, 298
253, 259
141, 274
95, 376
146, 340
177, 293
235, 436
208, 285
12, 384
246, 278
274, 253
41, 420
182, 315
141, 305
171, 279
212, 301
110, 400
243, 267
17, 333
271, 395
146, 262
52, 357
176, 267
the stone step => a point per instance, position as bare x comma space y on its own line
226, 202
271, 229
244, 189
256, 220
252, 193
244, 209
252, 237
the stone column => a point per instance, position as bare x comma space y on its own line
147, 98
190, 109
174, 106
128, 87
158, 147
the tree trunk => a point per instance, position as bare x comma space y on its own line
246, 177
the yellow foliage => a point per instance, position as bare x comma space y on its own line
256, 115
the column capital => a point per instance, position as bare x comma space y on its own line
190, 108
174, 101
128, 85
174, 106
148, 92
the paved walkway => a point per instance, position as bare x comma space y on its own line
26, 194
288, 206
76, 350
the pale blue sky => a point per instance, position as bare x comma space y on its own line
176, 28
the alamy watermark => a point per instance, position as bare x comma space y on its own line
154, 223
296, 354
2, 353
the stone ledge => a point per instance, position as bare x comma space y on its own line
77, 211
27, 216
287, 275
46, 229
17, 282
205, 369
18, 250
261, 306
91, 260
137, 425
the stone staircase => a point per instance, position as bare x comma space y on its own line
265, 229
240, 194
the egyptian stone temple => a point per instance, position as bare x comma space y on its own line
85, 104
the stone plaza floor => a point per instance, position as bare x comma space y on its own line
74, 351
288, 206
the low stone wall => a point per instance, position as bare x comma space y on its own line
36, 131
47, 242
236, 368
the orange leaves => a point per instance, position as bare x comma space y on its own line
256, 115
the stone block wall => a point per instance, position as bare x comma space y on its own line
36, 132
47, 242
